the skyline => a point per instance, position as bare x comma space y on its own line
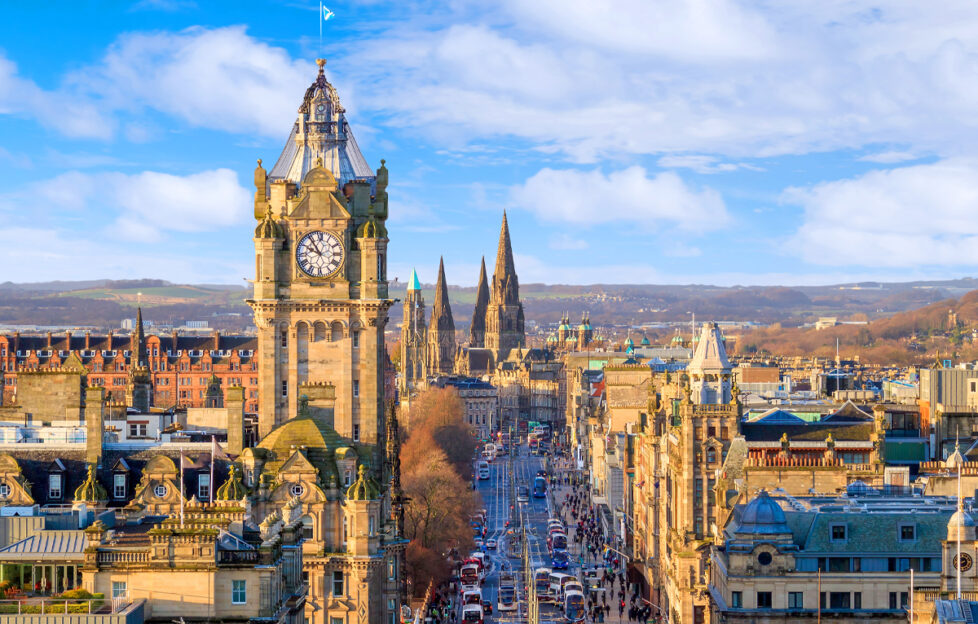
800, 147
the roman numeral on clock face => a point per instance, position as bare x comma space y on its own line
319, 254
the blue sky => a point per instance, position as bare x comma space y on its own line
631, 141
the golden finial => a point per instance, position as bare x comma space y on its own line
322, 63
259, 162
319, 162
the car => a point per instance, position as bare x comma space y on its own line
491, 543
487, 607
478, 543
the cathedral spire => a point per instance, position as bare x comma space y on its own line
441, 330
137, 343
505, 286
477, 331
441, 311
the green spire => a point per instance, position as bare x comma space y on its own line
91, 491
233, 488
413, 283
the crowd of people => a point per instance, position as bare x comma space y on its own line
576, 510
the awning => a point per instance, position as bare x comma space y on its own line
55, 546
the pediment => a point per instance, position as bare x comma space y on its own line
319, 204
297, 463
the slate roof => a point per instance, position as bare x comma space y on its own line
877, 532
36, 466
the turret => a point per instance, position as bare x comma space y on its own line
413, 336
269, 237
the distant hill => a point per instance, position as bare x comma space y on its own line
106, 302
941, 330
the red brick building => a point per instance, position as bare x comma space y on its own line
180, 365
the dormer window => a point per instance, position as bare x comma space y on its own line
347, 477
55, 482
119, 486
4, 490
297, 489
838, 533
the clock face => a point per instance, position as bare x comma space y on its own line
964, 563
319, 254
321, 107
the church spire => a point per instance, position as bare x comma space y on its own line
477, 331
441, 311
441, 330
505, 286
137, 343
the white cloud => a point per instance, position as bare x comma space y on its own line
628, 197
60, 110
567, 242
144, 205
702, 163
44, 254
890, 157
723, 77
220, 78
912, 216
214, 78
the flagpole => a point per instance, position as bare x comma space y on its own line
210, 490
181, 488
319, 18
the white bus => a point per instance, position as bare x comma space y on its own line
482, 469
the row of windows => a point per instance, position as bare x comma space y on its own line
827, 600
905, 532
868, 564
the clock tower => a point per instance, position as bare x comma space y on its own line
320, 290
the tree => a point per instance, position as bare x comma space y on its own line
440, 504
441, 413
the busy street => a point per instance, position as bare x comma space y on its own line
564, 571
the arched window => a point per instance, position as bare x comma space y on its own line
319, 331
307, 528
711, 455
336, 331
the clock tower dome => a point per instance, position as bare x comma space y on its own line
320, 290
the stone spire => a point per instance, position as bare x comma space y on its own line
441, 311
477, 331
505, 285
441, 329
137, 343
504, 314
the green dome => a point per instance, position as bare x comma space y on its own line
91, 491
233, 488
318, 441
645, 341
364, 488
551, 338
629, 342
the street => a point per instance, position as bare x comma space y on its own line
498, 496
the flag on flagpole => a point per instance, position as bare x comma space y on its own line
210, 488
182, 462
